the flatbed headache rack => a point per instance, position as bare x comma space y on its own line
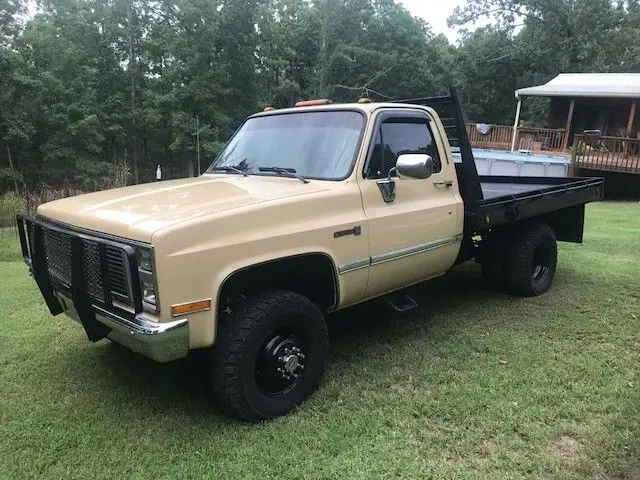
518, 198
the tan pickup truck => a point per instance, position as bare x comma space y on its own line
306, 211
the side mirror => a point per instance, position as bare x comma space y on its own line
414, 165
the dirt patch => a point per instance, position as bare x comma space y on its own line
567, 449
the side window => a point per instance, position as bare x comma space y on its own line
399, 135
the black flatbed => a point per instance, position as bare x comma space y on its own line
509, 199
494, 201
492, 189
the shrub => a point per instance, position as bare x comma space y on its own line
10, 204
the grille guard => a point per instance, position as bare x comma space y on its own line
32, 244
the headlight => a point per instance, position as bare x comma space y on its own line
148, 284
145, 259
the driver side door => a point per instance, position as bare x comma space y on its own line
417, 235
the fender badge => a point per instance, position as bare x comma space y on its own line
357, 230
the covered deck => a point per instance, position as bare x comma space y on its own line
592, 118
612, 154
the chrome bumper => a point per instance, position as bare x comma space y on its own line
90, 301
161, 342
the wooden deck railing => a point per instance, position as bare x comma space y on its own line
499, 137
540, 139
527, 138
606, 153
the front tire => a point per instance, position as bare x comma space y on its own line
269, 356
531, 261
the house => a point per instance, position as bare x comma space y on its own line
594, 117
581, 102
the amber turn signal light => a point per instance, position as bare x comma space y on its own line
192, 307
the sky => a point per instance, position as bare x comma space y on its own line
435, 12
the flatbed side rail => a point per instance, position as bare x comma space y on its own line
563, 193
566, 184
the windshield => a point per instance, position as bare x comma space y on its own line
318, 145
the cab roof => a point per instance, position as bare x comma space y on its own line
366, 108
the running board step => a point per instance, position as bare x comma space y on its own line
401, 302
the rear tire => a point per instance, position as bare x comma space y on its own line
269, 355
531, 261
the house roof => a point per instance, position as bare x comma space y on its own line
607, 85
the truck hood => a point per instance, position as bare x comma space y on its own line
138, 211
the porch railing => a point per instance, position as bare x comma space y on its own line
499, 137
540, 139
606, 153
527, 138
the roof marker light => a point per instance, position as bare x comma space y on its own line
313, 103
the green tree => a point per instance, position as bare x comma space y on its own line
488, 97
97, 90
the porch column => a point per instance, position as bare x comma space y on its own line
565, 142
632, 115
515, 126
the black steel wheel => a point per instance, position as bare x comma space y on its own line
280, 361
531, 261
269, 355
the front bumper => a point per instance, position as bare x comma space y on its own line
161, 342
94, 306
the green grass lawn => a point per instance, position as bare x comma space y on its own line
475, 384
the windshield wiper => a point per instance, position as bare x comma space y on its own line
229, 169
289, 172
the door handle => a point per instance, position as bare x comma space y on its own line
445, 184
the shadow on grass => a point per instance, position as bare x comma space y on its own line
181, 389
459, 289
118, 373
115, 374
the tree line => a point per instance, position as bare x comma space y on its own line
99, 92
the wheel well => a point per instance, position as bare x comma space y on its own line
311, 275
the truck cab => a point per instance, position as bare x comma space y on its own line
307, 210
